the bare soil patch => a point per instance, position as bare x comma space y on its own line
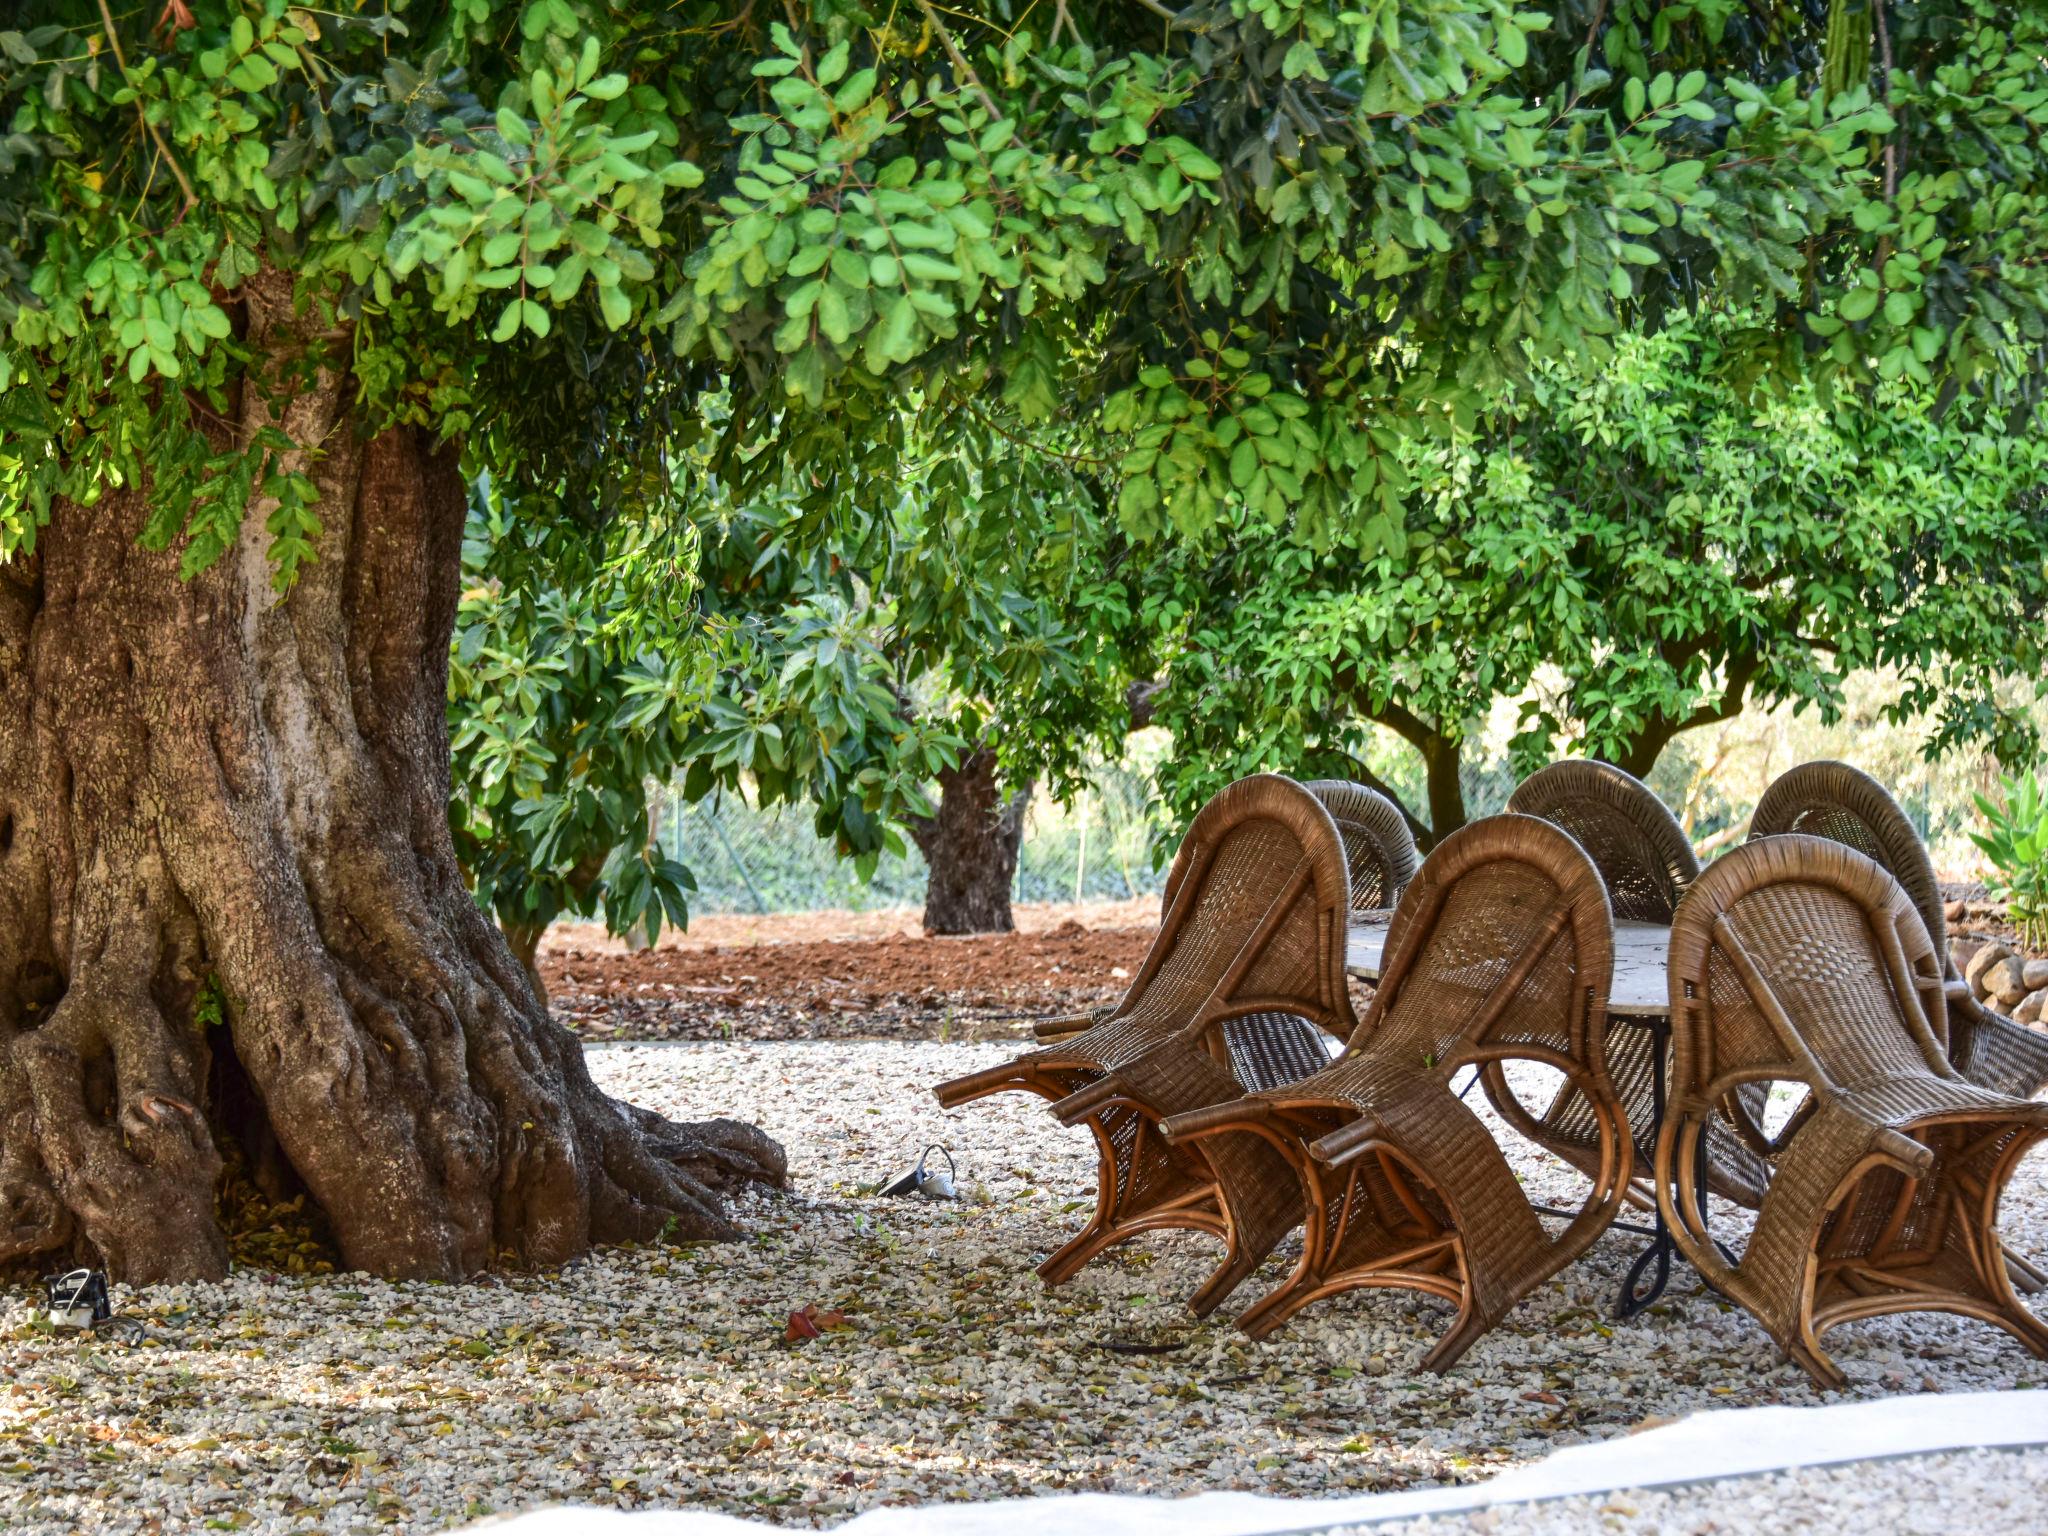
777, 978
728, 928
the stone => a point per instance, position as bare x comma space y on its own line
1991, 954
2031, 1007
1956, 911
1961, 951
2006, 980
2036, 974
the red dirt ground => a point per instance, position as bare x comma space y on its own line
785, 982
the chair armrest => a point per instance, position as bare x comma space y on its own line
1065, 1026
1912, 1158
1215, 1116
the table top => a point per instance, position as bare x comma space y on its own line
1640, 949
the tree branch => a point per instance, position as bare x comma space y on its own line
164, 149
1640, 756
1891, 140
960, 64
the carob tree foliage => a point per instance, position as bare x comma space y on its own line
277, 280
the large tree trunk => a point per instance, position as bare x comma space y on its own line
206, 791
970, 849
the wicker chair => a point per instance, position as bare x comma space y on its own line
1180, 1074
1503, 948
1846, 805
1644, 857
1379, 852
1796, 958
1239, 990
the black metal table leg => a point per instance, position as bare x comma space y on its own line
1648, 1277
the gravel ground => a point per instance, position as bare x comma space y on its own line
662, 1377
1984, 1493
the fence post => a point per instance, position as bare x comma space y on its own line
1081, 857
718, 826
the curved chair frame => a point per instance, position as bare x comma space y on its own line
1375, 1132
1629, 834
1846, 805
1647, 861
1379, 850
1861, 1159
1181, 1050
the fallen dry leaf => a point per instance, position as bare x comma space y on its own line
808, 1322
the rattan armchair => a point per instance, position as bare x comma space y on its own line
1242, 988
1846, 805
1263, 1050
1647, 862
1502, 949
1379, 850
1798, 959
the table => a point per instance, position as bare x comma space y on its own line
1639, 997
1639, 990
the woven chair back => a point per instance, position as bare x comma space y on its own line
1847, 806
1633, 840
1379, 850
1796, 957
1257, 917
1505, 938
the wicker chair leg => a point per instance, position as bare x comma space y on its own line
1805, 1351
1237, 1264
1463, 1333
1065, 1262
2027, 1277
2018, 1320
1270, 1312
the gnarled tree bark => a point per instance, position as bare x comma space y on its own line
209, 790
970, 849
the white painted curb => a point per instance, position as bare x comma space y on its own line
1737, 1442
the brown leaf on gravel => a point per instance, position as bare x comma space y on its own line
809, 1321
1542, 1397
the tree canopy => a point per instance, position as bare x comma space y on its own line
1223, 258
1633, 556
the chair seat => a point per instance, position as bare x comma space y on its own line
1270, 1050
1901, 1101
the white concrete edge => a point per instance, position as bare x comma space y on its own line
1705, 1447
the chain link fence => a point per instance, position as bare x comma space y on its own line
746, 859
1101, 846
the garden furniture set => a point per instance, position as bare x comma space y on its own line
1576, 932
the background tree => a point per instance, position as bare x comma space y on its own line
967, 638
280, 281
565, 701
1634, 556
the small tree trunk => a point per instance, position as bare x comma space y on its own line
523, 939
970, 849
1443, 763
209, 792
